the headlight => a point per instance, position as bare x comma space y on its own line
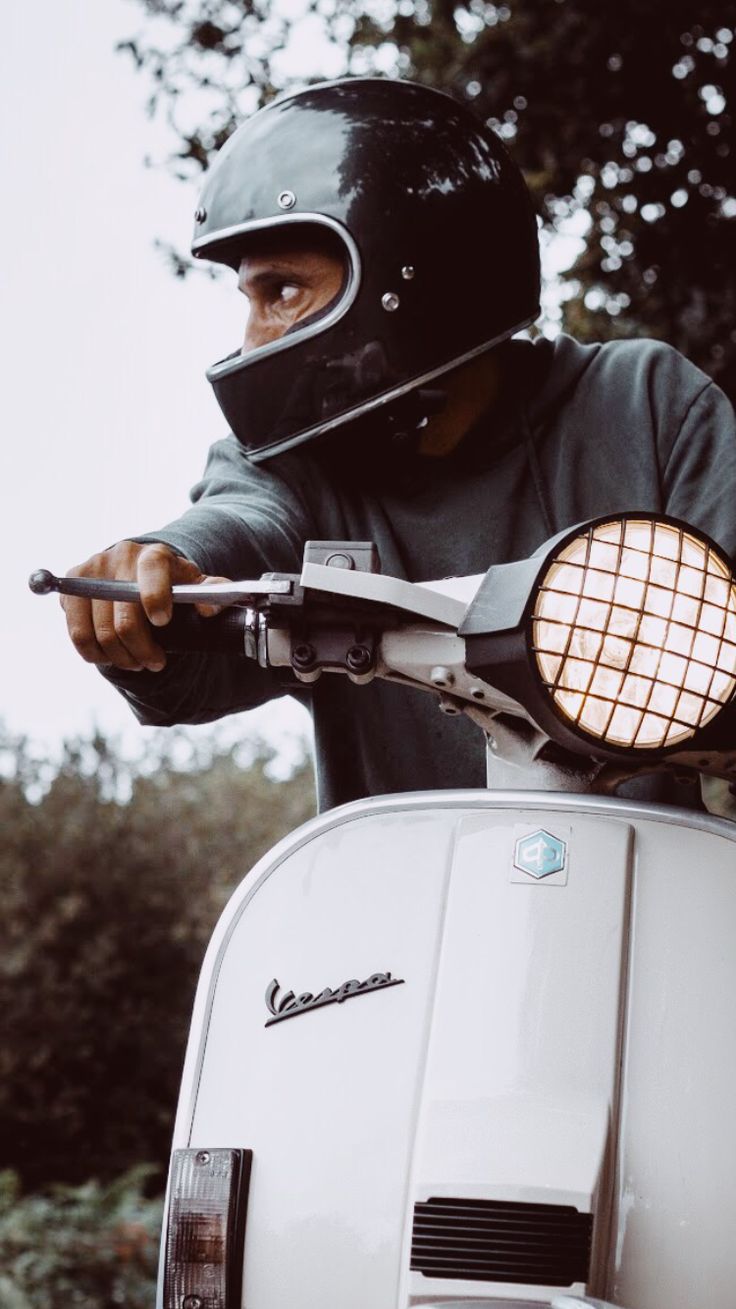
634, 633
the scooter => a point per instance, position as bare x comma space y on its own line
532, 1105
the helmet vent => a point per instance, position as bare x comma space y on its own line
501, 1241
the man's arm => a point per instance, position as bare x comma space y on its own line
699, 469
244, 521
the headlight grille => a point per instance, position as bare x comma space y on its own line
634, 633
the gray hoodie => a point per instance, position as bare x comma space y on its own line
582, 431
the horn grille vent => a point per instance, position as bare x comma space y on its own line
501, 1241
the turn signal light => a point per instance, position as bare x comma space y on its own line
205, 1229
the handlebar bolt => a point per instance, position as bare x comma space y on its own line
359, 659
340, 561
441, 677
448, 706
192, 1302
303, 657
203, 1156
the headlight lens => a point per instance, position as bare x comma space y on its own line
634, 633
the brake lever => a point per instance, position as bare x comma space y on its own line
43, 582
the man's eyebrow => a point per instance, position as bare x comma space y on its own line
274, 273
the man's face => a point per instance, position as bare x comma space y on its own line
284, 284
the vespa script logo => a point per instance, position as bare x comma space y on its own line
290, 1005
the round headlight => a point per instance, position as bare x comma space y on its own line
634, 633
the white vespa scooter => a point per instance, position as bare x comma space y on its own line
533, 1103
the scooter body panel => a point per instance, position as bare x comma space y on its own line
676, 1193
552, 1047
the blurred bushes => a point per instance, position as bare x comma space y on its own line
91, 1246
111, 881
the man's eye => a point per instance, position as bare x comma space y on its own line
285, 292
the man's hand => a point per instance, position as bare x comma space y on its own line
104, 632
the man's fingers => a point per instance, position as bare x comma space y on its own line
209, 610
114, 649
81, 629
118, 633
134, 634
157, 569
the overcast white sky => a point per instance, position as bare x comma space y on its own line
107, 415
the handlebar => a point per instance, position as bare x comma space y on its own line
43, 582
342, 615
225, 633
231, 632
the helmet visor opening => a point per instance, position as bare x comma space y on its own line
321, 257
289, 233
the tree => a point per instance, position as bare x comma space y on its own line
107, 909
623, 111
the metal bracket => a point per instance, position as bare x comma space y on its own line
347, 648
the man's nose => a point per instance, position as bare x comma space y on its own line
258, 333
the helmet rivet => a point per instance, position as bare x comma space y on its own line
407, 272
287, 200
200, 215
390, 301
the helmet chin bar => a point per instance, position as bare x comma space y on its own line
355, 390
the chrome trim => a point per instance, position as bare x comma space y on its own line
598, 805
288, 443
421, 1302
232, 365
518, 801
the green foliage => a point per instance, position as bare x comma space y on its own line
624, 111
108, 907
89, 1246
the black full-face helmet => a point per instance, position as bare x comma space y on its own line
439, 241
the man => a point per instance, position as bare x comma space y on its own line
387, 248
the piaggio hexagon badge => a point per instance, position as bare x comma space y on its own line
539, 854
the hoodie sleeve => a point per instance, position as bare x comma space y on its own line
699, 472
245, 520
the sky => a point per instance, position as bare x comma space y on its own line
107, 415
